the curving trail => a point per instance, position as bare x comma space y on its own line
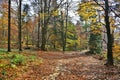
69, 66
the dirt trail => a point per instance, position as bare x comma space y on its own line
73, 66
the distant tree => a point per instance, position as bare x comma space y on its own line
4, 21
46, 13
87, 12
26, 9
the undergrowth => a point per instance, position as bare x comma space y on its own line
13, 61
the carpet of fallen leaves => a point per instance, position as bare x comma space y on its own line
68, 66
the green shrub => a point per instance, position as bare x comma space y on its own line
1, 79
4, 72
1, 57
32, 58
18, 59
3, 52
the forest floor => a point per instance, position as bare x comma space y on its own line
66, 66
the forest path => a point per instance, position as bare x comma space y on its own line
69, 66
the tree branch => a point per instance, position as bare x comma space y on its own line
99, 4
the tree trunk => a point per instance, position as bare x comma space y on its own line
9, 26
66, 25
109, 35
43, 38
19, 26
38, 42
27, 36
62, 32
44, 28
